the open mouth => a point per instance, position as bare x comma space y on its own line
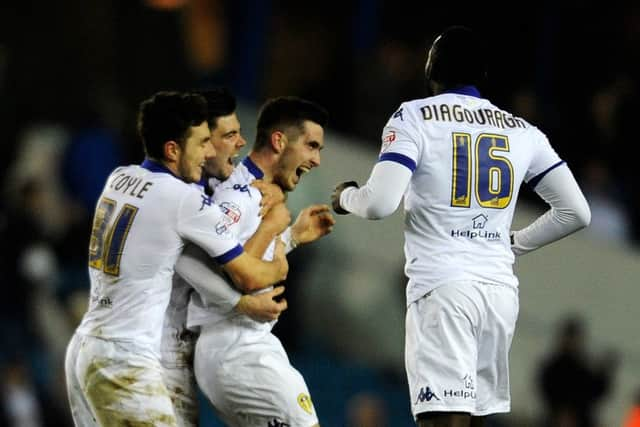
232, 159
301, 171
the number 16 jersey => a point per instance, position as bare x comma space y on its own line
468, 159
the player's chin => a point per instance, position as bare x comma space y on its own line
291, 185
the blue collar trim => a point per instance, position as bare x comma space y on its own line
253, 168
465, 90
156, 167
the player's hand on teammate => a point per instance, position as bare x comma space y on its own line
277, 219
335, 196
265, 306
312, 223
272, 195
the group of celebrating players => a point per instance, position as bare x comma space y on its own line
188, 248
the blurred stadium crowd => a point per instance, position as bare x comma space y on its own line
73, 72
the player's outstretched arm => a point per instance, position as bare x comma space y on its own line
569, 212
251, 274
379, 198
312, 223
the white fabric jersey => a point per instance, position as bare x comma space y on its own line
237, 199
468, 159
143, 219
177, 342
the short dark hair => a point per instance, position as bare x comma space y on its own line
220, 102
284, 113
167, 116
457, 57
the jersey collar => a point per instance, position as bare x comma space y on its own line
153, 166
465, 90
253, 168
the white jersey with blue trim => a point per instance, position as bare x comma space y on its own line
240, 205
143, 219
468, 159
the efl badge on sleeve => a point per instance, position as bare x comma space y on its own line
387, 140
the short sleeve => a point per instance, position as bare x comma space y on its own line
240, 207
201, 222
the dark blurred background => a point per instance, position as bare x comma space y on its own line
73, 72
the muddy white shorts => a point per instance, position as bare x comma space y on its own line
247, 377
181, 384
112, 383
457, 346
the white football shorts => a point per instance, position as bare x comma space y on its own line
457, 348
246, 375
116, 384
181, 384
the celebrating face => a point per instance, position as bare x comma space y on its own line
195, 152
227, 141
300, 154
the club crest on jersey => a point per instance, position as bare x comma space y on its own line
388, 139
232, 215
305, 403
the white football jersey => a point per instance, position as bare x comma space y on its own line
176, 345
468, 159
143, 219
240, 205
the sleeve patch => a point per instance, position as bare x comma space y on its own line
232, 215
387, 139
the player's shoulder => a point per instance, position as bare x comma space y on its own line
238, 187
405, 115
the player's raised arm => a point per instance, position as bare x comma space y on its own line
312, 223
378, 198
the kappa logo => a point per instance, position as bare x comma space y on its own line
426, 395
305, 403
206, 200
276, 423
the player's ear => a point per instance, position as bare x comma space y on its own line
278, 141
171, 150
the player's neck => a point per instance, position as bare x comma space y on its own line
172, 166
265, 161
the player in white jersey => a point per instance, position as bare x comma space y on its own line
240, 365
178, 343
459, 161
143, 219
